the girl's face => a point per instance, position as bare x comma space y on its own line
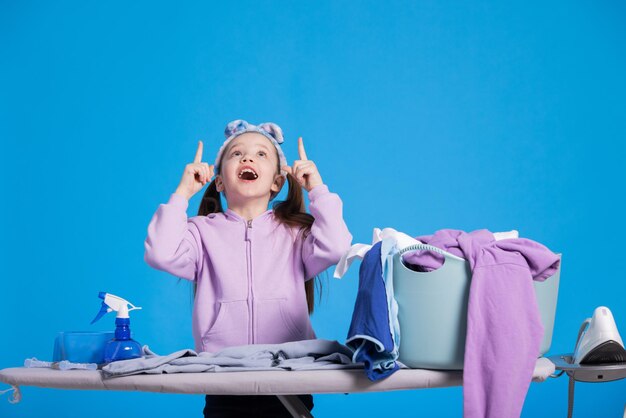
249, 168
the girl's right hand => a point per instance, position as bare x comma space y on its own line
195, 176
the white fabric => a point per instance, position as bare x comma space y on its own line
358, 251
506, 235
543, 369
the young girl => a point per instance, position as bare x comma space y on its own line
251, 267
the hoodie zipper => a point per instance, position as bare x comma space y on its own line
250, 292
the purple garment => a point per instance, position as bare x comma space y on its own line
504, 329
250, 274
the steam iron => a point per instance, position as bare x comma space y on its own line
599, 341
599, 355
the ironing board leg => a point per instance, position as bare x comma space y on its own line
295, 406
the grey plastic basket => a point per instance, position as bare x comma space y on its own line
432, 310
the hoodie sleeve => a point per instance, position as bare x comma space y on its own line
329, 238
173, 243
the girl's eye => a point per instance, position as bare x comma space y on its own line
235, 152
262, 153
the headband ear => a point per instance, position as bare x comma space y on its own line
234, 127
272, 129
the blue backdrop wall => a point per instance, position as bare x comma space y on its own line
420, 115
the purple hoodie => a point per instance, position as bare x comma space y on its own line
504, 329
250, 274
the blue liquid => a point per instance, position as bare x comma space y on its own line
121, 350
122, 347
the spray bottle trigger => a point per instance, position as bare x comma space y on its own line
103, 310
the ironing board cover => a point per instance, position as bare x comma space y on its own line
279, 382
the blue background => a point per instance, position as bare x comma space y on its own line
420, 115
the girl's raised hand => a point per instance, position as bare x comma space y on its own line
195, 176
304, 170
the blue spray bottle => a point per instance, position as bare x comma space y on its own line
122, 347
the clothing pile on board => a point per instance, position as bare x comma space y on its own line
317, 354
498, 363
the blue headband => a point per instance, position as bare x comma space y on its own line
268, 129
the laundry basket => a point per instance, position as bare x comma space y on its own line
432, 310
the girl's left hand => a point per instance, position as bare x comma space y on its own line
304, 170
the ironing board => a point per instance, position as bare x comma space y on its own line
285, 384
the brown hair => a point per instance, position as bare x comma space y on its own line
290, 212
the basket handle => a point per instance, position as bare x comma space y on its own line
427, 247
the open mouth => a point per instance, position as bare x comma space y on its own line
248, 174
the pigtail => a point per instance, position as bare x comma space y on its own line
211, 201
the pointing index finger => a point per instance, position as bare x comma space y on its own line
198, 157
301, 151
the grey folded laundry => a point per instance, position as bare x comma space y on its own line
296, 355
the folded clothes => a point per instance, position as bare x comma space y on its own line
295, 355
59, 365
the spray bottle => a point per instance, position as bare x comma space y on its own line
122, 347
